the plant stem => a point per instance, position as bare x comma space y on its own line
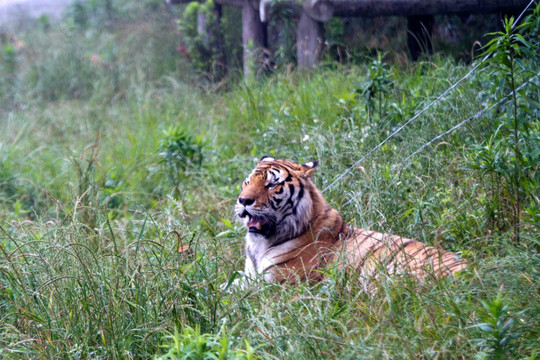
380, 106
516, 152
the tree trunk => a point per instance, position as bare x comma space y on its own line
309, 41
252, 37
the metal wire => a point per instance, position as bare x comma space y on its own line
336, 180
475, 116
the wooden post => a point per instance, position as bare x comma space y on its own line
253, 32
309, 41
312, 12
221, 65
321, 10
202, 28
419, 30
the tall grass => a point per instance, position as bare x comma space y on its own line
101, 258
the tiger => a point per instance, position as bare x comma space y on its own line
293, 234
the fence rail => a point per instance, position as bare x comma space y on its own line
312, 13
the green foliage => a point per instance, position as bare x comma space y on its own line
377, 86
190, 344
179, 151
201, 30
499, 330
8, 66
8, 187
282, 28
9, 60
66, 74
44, 22
82, 15
335, 46
508, 53
99, 50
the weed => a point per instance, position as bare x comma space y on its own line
506, 51
498, 328
179, 151
377, 86
191, 344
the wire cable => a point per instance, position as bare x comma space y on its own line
475, 116
336, 180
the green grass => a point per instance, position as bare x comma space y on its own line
102, 257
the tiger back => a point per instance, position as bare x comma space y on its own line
292, 232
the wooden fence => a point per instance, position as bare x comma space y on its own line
312, 13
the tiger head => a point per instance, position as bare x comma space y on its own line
276, 199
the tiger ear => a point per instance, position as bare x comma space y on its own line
309, 168
266, 158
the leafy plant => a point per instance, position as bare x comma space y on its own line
201, 29
191, 344
87, 191
179, 150
497, 327
282, 30
377, 86
508, 52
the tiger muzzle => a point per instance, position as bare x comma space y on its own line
258, 224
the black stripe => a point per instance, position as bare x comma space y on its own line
336, 236
291, 188
282, 241
342, 227
287, 167
287, 214
419, 251
300, 192
278, 264
363, 241
401, 249
327, 209
371, 251
455, 264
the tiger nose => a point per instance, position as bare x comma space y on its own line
246, 201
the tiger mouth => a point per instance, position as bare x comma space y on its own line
257, 224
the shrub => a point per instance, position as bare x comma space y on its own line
179, 150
